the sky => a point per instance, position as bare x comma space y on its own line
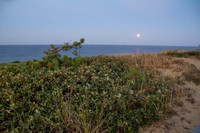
159, 22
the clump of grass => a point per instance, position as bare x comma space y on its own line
190, 98
192, 74
149, 61
185, 54
178, 102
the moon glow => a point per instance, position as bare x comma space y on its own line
138, 35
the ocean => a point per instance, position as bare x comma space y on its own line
10, 53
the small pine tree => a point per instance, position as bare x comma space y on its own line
66, 47
53, 57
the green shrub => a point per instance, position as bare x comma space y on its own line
82, 94
15, 62
185, 54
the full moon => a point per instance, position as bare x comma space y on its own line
138, 35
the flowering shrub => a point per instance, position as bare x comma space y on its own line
63, 94
84, 94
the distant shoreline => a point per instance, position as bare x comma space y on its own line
101, 45
9, 53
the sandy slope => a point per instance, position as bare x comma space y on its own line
186, 108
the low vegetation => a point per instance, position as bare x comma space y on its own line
192, 74
82, 94
185, 54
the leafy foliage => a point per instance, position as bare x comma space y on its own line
82, 94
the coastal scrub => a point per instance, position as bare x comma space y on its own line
82, 94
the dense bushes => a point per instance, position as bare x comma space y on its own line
80, 95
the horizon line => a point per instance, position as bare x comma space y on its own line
109, 44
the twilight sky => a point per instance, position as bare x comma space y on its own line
159, 22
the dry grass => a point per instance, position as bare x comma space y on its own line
149, 61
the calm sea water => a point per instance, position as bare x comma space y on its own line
10, 53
